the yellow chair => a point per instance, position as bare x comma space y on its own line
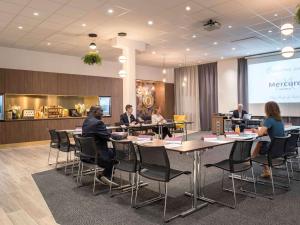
178, 119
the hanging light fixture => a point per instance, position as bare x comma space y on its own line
122, 73
164, 80
288, 52
164, 70
122, 59
287, 29
93, 46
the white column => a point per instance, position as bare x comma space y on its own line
129, 48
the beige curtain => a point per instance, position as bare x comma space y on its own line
187, 97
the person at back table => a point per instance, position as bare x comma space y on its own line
128, 118
273, 127
157, 118
93, 126
238, 116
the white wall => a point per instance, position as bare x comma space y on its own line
48, 62
227, 85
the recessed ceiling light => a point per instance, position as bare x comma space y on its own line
84, 24
229, 26
215, 43
187, 49
150, 22
194, 36
275, 14
205, 54
153, 52
222, 57
20, 27
36, 14
284, 39
270, 31
179, 64
233, 49
277, 48
188, 8
48, 43
110, 11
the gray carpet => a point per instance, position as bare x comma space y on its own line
72, 205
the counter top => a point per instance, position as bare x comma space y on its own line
59, 118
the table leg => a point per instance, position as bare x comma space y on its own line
186, 134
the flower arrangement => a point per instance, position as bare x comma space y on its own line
92, 58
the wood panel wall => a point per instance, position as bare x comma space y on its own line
32, 82
164, 98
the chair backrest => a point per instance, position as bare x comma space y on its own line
64, 141
88, 148
126, 153
155, 158
77, 142
240, 152
53, 137
292, 142
277, 148
179, 118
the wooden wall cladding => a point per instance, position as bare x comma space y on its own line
169, 100
33, 82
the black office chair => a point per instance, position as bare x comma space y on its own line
54, 142
77, 150
292, 152
276, 156
64, 146
127, 159
88, 157
239, 162
155, 165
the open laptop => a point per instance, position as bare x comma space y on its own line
247, 116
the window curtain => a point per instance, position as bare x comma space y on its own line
242, 84
208, 92
187, 95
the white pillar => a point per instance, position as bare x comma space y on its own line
129, 48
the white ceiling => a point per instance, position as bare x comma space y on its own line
60, 23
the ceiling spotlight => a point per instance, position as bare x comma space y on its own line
93, 46
36, 14
84, 24
164, 71
110, 11
275, 14
122, 59
164, 80
185, 79
229, 26
215, 43
277, 48
205, 54
284, 39
233, 49
122, 73
153, 52
20, 27
287, 29
287, 52
270, 31
188, 8
222, 57
187, 49
150, 22
194, 36
183, 84
48, 43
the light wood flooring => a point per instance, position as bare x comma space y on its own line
21, 202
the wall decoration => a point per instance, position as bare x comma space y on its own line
145, 99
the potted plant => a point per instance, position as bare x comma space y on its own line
297, 14
92, 58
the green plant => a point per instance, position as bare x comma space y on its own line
92, 58
297, 15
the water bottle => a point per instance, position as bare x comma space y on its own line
237, 129
218, 127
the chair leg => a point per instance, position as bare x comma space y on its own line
272, 181
111, 179
233, 189
254, 182
287, 170
223, 179
159, 190
81, 173
49, 155
132, 189
95, 175
78, 173
137, 187
57, 155
66, 163
166, 196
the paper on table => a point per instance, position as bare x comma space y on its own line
215, 140
169, 145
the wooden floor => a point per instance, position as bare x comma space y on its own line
21, 202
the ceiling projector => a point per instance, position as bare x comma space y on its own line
211, 25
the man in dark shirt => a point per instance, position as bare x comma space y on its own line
237, 118
94, 127
127, 118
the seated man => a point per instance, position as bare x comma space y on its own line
128, 118
94, 127
237, 117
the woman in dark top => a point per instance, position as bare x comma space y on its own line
273, 127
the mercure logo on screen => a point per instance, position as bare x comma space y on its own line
284, 84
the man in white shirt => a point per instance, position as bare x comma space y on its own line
157, 118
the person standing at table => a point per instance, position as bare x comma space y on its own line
237, 117
128, 118
157, 118
93, 126
273, 127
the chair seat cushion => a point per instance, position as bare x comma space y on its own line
225, 165
262, 159
159, 173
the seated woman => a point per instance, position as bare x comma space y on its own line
273, 127
158, 118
